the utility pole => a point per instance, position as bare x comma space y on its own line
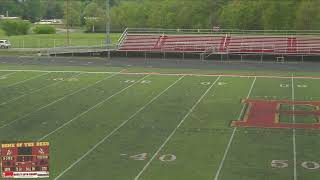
108, 39
67, 21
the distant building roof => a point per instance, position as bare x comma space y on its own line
50, 21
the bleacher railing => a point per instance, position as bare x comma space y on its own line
220, 31
122, 37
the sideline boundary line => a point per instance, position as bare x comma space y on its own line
57, 100
170, 74
294, 134
176, 128
116, 129
233, 134
92, 107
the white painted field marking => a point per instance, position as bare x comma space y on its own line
36, 90
139, 157
6, 75
302, 86
115, 130
294, 134
169, 74
306, 164
284, 85
167, 158
232, 135
91, 108
23, 81
145, 82
72, 79
222, 83
60, 99
279, 164
142, 82
174, 131
130, 81
58, 79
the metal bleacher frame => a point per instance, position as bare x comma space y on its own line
286, 38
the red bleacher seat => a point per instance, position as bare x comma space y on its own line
235, 44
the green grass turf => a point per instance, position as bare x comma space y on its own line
286, 107
58, 40
298, 119
157, 127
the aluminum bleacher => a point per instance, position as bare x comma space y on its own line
223, 42
172, 43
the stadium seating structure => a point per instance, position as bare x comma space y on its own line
222, 44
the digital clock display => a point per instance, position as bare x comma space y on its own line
25, 150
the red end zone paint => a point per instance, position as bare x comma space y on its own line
266, 114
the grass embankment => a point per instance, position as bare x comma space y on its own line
58, 40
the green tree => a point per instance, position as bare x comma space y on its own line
32, 10
95, 18
245, 14
279, 14
308, 15
13, 7
128, 14
54, 10
72, 13
15, 27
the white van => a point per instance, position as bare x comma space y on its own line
5, 44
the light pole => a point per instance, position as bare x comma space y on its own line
67, 21
108, 39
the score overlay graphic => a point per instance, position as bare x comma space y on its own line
25, 160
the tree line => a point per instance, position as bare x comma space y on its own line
227, 14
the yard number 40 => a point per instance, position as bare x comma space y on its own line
311, 165
144, 156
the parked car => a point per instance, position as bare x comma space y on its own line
5, 44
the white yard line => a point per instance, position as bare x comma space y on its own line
23, 81
233, 134
60, 99
8, 74
115, 130
174, 131
172, 74
36, 90
91, 108
294, 134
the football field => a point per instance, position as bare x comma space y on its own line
125, 125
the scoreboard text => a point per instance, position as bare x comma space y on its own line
25, 160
